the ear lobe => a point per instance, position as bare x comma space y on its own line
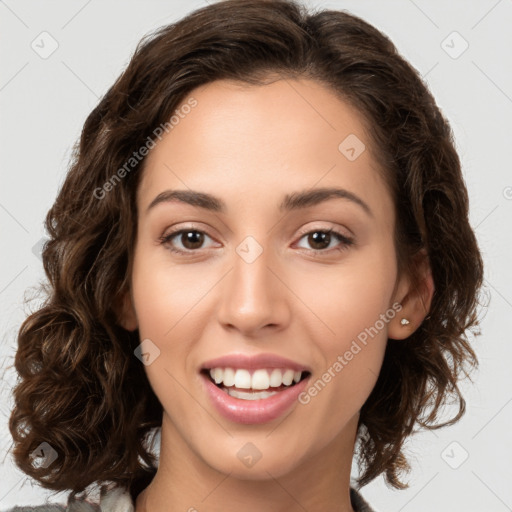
416, 299
127, 317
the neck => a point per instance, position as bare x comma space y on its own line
185, 482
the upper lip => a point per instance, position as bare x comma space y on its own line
249, 362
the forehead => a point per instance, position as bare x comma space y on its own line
287, 134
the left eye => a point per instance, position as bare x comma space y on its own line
323, 238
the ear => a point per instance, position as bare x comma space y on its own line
414, 292
125, 310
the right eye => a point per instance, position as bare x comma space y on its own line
189, 238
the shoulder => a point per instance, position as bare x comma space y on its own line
359, 504
114, 500
119, 500
50, 507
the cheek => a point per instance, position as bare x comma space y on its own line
352, 361
164, 294
350, 298
168, 301
353, 312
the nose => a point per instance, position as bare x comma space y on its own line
254, 297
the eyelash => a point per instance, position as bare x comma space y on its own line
346, 241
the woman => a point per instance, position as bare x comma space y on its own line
262, 247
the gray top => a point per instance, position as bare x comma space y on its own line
119, 500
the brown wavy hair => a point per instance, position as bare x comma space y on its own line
82, 390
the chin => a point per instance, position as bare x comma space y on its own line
255, 457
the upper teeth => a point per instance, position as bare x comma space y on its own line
260, 379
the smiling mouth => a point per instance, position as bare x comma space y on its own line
255, 384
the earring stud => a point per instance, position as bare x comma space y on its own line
404, 321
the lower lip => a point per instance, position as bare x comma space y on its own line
253, 411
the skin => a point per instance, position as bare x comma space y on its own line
249, 146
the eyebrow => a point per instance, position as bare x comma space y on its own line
295, 201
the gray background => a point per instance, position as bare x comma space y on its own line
44, 102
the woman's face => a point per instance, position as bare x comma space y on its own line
259, 291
